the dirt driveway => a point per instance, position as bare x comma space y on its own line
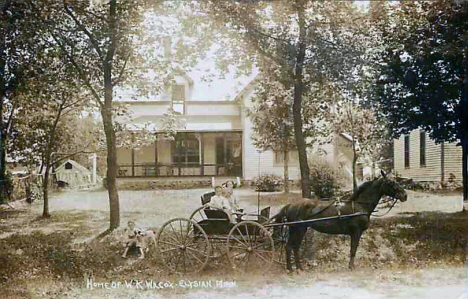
153, 207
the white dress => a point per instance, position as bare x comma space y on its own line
222, 203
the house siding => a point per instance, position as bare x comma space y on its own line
433, 169
453, 161
255, 163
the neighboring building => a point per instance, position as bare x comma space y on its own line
74, 174
418, 157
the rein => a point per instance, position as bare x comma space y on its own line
394, 203
371, 213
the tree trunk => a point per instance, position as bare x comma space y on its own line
112, 168
465, 168
45, 190
106, 112
297, 105
3, 195
286, 174
48, 159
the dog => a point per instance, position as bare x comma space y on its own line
144, 237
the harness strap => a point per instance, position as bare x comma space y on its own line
394, 203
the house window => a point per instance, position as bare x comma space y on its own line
293, 157
422, 148
186, 150
407, 151
178, 98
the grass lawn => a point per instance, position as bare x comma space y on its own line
45, 258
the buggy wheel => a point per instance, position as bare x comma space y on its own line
280, 238
198, 215
183, 246
250, 245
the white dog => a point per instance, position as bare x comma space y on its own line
139, 238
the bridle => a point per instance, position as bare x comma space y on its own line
373, 212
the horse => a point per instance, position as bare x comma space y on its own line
363, 200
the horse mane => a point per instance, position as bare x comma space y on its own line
361, 189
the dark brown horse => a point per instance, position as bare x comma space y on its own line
364, 200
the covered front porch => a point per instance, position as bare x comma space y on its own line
191, 154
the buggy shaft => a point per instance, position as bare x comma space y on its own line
316, 220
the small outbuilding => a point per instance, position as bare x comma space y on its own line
74, 175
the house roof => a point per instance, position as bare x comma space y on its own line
75, 164
208, 84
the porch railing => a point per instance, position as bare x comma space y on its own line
178, 170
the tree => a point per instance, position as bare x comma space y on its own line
272, 116
367, 132
46, 125
273, 124
310, 42
96, 42
21, 49
424, 72
108, 45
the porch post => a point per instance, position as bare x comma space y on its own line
225, 156
202, 153
156, 172
133, 156
178, 150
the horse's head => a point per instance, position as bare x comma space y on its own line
391, 188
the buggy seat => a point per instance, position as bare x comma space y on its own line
221, 215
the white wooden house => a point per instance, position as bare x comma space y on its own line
418, 157
217, 138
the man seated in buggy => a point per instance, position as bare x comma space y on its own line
223, 200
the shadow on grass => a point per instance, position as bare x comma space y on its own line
413, 240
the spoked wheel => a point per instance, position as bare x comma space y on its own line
250, 247
280, 238
183, 246
198, 215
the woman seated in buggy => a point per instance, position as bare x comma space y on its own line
224, 200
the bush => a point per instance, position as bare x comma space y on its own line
326, 181
267, 182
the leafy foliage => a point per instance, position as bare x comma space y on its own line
267, 182
327, 182
422, 69
306, 43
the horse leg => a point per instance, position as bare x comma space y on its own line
289, 248
297, 246
355, 237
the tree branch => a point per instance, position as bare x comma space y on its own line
86, 31
69, 56
68, 155
119, 78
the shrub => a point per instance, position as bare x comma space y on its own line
267, 182
326, 181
